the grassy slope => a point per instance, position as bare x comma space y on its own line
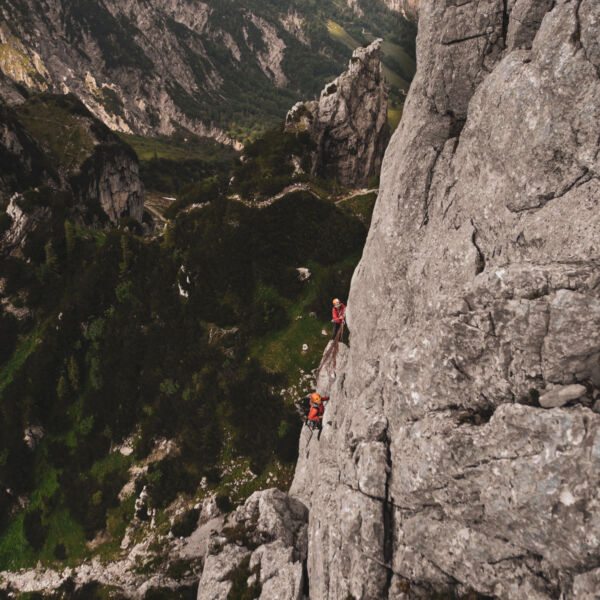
174, 149
62, 131
25, 347
282, 350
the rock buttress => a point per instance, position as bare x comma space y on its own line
479, 289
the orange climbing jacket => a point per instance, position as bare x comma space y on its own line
316, 407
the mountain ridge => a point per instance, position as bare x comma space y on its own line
214, 69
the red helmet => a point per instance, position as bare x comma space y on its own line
315, 398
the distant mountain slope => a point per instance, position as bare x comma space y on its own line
216, 68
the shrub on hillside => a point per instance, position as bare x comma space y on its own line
268, 314
9, 332
5, 222
186, 524
267, 166
166, 479
34, 530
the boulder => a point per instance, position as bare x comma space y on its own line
561, 395
216, 582
265, 540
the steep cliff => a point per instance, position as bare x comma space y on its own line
54, 141
22, 162
348, 125
478, 291
408, 8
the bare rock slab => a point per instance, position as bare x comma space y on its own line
560, 396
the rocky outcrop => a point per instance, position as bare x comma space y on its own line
22, 162
355, 6
22, 223
264, 542
408, 8
54, 141
478, 292
349, 122
111, 178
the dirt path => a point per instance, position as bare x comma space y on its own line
362, 192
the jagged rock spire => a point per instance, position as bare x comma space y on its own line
349, 122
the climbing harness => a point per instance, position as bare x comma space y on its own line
312, 425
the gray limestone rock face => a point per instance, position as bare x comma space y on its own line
349, 122
100, 171
265, 541
215, 583
408, 8
111, 177
159, 67
22, 223
478, 291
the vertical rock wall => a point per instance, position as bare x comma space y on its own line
409, 8
478, 290
111, 177
349, 122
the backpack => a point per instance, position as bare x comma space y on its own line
304, 406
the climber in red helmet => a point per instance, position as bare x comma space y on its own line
338, 312
315, 413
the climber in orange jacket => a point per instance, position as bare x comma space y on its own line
338, 313
315, 414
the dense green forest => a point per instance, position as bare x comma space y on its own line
190, 335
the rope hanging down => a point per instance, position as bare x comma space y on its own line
330, 357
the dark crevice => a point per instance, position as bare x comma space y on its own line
543, 199
460, 369
476, 416
583, 178
505, 22
492, 325
576, 36
428, 182
388, 519
457, 124
465, 39
367, 495
305, 580
480, 260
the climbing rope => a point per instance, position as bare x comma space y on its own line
330, 357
